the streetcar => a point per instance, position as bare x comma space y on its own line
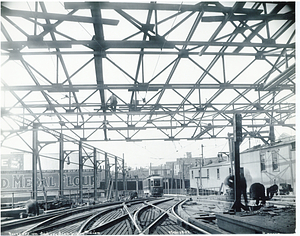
153, 186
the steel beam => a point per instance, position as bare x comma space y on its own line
109, 44
52, 16
158, 6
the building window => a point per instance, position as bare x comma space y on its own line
218, 173
262, 161
192, 174
207, 171
275, 161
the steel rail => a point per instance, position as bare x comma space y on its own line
62, 220
5, 226
174, 217
150, 228
138, 212
88, 223
31, 220
54, 220
132, 219
109, 224
184, 221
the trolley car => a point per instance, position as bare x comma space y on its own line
153, 186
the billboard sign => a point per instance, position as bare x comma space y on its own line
11, 162
22, 180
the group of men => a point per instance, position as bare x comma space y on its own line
257, 190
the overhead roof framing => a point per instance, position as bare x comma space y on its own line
179, 71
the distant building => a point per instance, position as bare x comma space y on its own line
269, 164
266, 164
213, 172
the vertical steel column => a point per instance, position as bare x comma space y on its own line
237, 132
291, 166
106, 175
231, 154
237, 179
123, 172
95, 174
80, 172
61, 166
116, 178
34, 160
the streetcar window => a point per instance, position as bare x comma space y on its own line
151, 182
156, 182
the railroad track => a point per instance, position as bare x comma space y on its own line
71, 222
44, 222
155, 217
151, 216
20, 225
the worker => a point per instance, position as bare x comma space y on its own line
113, 102
257, 192
32, 207
229, 181
243, 187
271, 191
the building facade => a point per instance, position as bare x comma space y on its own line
266, 164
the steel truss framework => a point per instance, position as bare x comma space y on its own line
179, 71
